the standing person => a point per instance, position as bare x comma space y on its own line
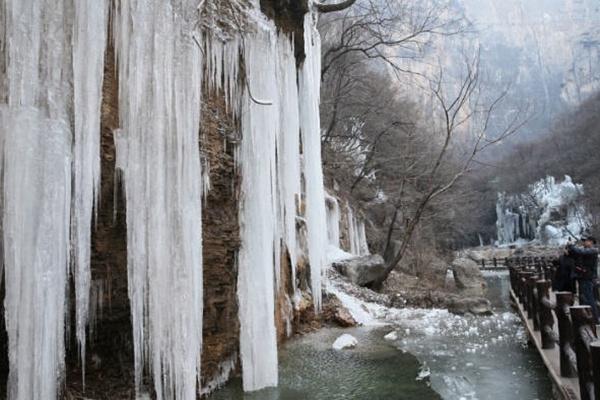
563, 278
586, 271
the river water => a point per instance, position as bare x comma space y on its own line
469, 358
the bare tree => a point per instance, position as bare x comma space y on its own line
456, 111
388, 31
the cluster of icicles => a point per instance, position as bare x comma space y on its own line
53, 51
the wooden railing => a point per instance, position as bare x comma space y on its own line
502, 263
576, 335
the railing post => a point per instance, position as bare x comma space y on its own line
534, 301
531, 300
582, 331
595, 350
495, 262
482, 263
523, 297
545, 314
564, 300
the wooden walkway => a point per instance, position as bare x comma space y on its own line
567, 388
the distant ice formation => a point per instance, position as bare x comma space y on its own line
550, 212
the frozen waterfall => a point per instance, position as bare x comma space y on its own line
310, 126
549, 212
357, 234
55, 58
50, 150
89, 43
160, 82
258, 213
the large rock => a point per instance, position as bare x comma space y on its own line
473, 305
467, 277
362, 271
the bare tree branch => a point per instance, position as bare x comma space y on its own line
327, 8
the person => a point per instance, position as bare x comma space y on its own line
586, 271
563, 278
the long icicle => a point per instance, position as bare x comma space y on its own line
89, 44
37, 193
310, 126
160, 79
258, 214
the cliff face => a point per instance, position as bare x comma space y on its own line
110, 359
550, 48
196, 158
110, 356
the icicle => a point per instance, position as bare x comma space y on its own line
363, 246
222, 65
258, 215
352, 231
159, 95
89, 44
309, 87
333, 220
288, 147
36, 240
36, 192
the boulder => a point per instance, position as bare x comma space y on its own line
467, 277
345, 341
362, 271
473, 305
343, 317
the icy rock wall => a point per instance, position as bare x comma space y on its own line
54, 56
50, 181
550, 212
159, 91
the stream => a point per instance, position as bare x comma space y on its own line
469, 358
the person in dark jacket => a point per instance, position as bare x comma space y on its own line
563, 279
586, 271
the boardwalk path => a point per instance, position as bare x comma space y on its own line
567, 388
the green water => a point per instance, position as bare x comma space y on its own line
311, 370
471, 358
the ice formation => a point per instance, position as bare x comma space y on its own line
51, 178
550, 212
288, 149
392, 336
356, 233
258, 214
159, 97
309, 83
345, 341
333, 220
54, 56
89, 43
